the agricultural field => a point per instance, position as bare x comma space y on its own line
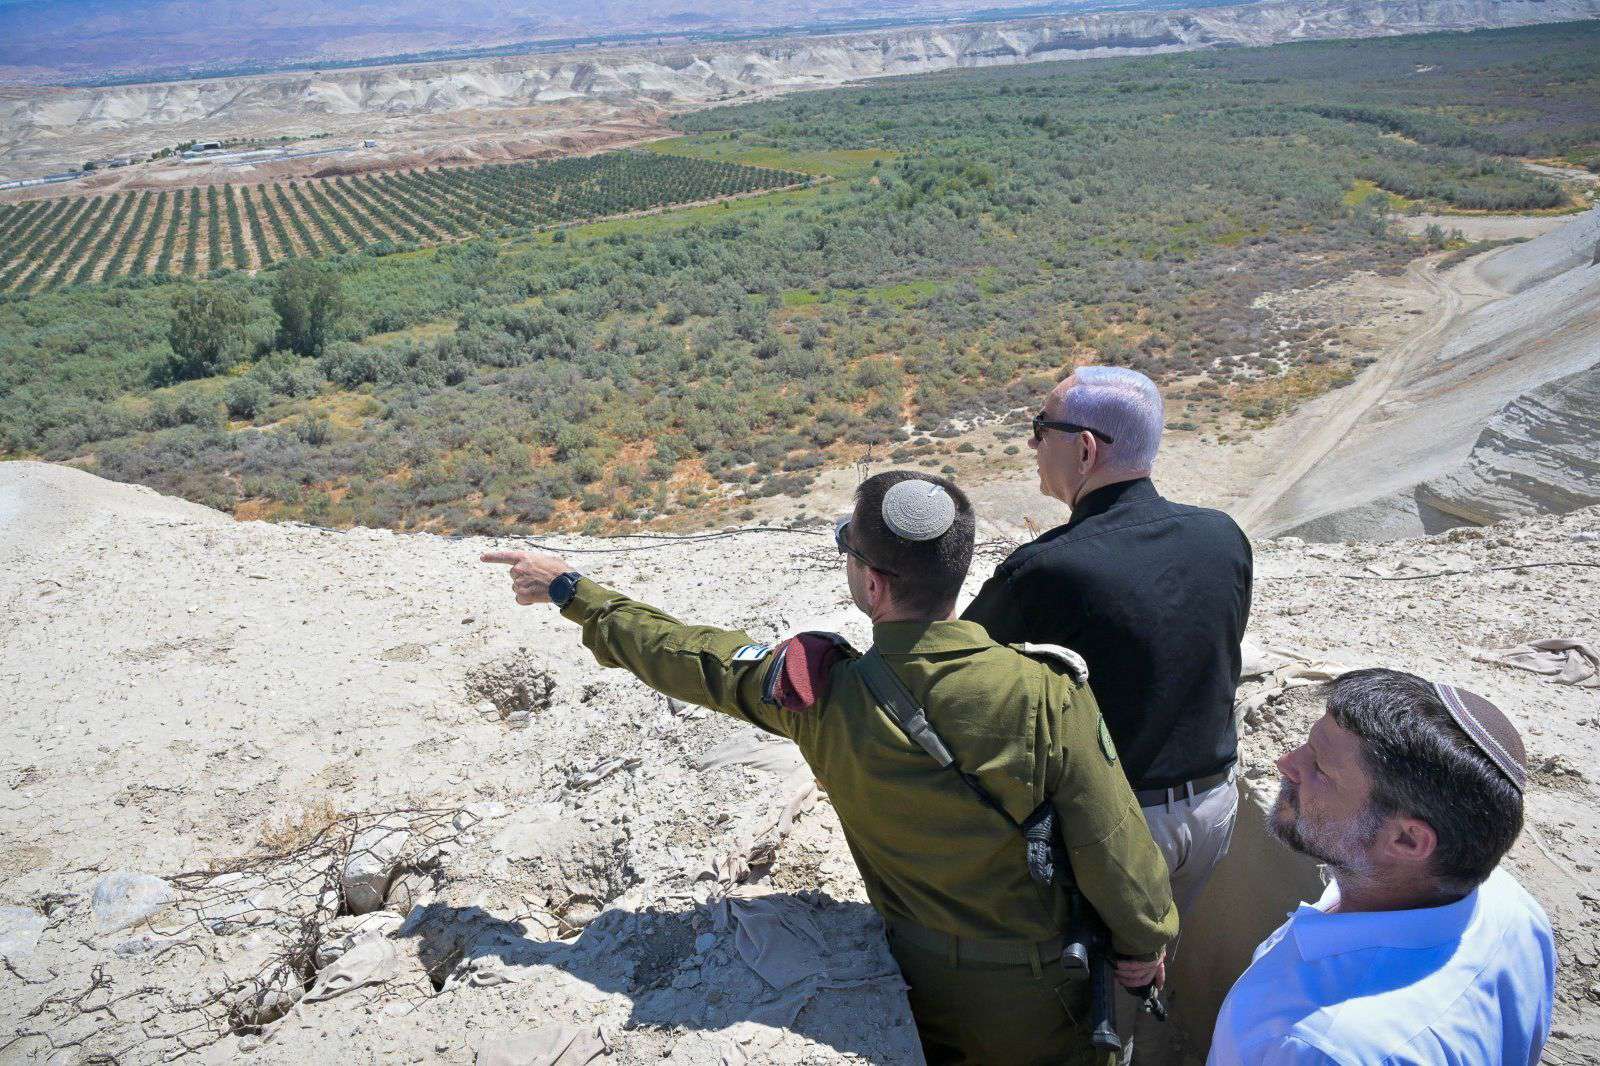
980, 233
46, 244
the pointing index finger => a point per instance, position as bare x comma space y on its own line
501, 557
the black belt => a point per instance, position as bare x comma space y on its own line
1160, 797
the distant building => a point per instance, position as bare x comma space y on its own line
369, 144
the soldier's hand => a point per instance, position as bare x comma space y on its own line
531, 573
1132, 973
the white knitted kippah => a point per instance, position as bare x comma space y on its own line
918, 510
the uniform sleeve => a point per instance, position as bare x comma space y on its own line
1118, 868
722, 669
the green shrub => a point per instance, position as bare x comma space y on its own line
247, 397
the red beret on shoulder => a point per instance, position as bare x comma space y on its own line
798, 677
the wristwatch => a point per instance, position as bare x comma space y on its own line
564, 587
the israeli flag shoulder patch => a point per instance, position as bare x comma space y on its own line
751, 653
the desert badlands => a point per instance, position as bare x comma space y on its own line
517, 107
214, 725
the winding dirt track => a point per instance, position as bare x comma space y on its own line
1359, 398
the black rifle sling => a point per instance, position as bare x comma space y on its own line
893, 696
1047, 856
1047, 860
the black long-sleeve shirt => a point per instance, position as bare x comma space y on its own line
1155, 596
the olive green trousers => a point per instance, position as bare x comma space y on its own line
997, 1014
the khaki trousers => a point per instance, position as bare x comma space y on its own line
997, 1014
1193, 835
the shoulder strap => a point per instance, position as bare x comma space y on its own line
893, 696
1071, 659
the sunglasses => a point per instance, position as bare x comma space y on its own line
1041, 423
842, 542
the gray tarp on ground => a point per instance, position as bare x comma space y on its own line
559, 1044
1567, 660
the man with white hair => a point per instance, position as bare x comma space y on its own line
1154, 595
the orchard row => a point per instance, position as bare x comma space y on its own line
46, 244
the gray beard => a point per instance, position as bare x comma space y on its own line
1342, 847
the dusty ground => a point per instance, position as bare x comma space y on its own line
1485, 227
1499, 324
207, 686
181, 689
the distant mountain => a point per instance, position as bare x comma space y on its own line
106, 41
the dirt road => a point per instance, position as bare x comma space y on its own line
1359, 398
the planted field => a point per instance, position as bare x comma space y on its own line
983, 231
49, 243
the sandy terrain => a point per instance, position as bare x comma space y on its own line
1485, 227
183, 689
286, 676
1506, 322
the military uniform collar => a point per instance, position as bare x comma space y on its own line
929, 638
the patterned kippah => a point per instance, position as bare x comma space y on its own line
1489, 729
918, 510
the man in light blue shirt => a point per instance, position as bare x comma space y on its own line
1420, 951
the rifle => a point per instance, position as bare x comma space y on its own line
1087, 947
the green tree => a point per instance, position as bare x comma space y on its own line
308, 301
207, 332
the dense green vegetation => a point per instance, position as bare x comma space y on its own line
986, 230
383, 213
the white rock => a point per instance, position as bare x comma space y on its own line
342, 934
266, 997
408, 890
473, 813
19, 931
373, 857
125, 898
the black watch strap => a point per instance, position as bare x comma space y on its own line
564, 587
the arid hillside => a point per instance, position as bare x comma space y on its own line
156, 39
41, 129
204, 717
1514, 323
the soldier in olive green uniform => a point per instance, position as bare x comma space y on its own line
978, 941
